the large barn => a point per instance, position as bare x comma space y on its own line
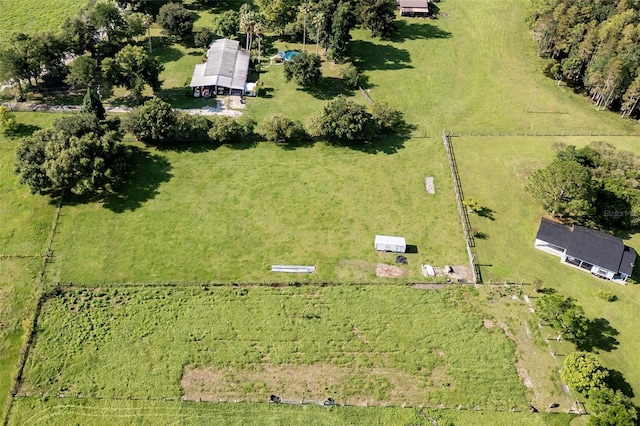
224, 72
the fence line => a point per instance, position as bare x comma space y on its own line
542, 134
303, 401
366, 95
464, 215
33, 323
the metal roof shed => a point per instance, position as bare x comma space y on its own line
227, 67
388, 243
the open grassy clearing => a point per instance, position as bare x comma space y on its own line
61, 412
398, 344
17, 303
25, 219
228, 214
498, 183
47, 15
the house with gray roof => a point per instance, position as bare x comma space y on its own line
603, 255
224, 72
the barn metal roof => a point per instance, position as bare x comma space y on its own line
226, 66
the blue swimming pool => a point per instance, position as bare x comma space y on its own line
290, 54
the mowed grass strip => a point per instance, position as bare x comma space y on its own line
124, 342
494, 171
227, 215
36, 16
54, 411
17, 303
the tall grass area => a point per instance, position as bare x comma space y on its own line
494, 171
17, 303
137, 342
56, 412
36, 16
227, 215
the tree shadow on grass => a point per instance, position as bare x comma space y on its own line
164, 50
386, 145
22, 130
616, 381
140, 184
149, 171
417, 31
327, 89
600, 335
486, 212
368, 56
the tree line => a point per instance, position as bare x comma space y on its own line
594, 46
83, 154
595, 185
98, 48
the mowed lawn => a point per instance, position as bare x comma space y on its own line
369, 344
36, 16
54, 412
227, 215
494, 171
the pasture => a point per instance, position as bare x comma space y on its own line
227, 214
507, 250
207, 214
358, 345
54, 412
28, 17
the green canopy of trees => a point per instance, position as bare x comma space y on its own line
595, 185
78, 155
564, 315
595, 45
611, 408
304, 69
133, 68
583, 372
278, 128
175, 20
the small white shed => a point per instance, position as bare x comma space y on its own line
387, 243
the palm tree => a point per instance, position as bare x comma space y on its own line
247, 24
318, 20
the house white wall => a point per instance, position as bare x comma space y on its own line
549, 248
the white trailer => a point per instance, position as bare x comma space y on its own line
387, 243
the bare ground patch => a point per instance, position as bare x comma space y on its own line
312, 382
384, 270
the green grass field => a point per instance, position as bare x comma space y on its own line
498, 183
56, 412
367, 344
36, 16
17, 303
228, 214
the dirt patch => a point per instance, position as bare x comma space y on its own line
311, 382
522, 373
428, 286
487, 323
460, 273
383, 270
439, 352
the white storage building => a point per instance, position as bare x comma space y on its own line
388, 243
